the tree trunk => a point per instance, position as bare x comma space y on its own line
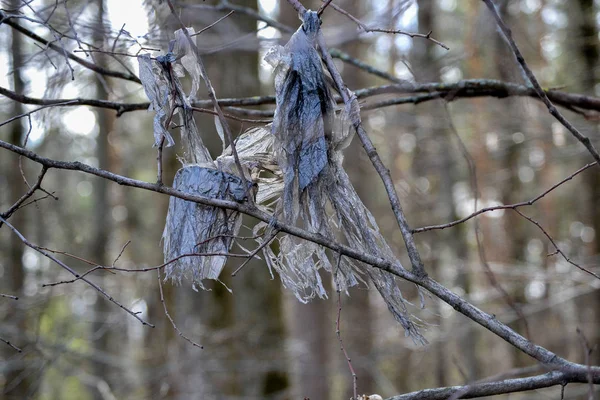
589, 51
15, 387
102, 329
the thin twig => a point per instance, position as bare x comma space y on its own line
111, 269
213, 24
319, 12
72, 27
16, 117
551, 108
225, 5
338, 331
353, 108
10, 20
73, 272
42, 50
159, 161
121, 252
494, 282
114, 46
224, 235
365, 28
233, 117
25, 145
480, 248
558, 250
587, 352
112, 53
64, 253
162, 300
213, 97
9, 296
11, 345
347, 58
504, 207
256, 251
55, 33
33, 201
30, 192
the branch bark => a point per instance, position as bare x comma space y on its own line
469, 88
553, 378
482, 318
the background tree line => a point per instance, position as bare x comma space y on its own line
450, 153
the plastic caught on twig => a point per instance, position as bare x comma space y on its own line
308, 139
158, 94
196, 238
160, 79
304, 115
193, 228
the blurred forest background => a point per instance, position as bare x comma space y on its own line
259, 341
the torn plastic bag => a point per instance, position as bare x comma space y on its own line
160, 79
193, 228
308, 139
304, 114
157, 91
196, 238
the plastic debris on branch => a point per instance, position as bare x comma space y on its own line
196, 238
296, 171
193, 228
160, 79
309, 136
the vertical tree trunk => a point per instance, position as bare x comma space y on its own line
589, 51
428, 70
357, 338
251, 361
14, 276
101, 211
517, 234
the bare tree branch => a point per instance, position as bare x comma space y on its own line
470, 88
392, 266
503, 387
504, 207
8, 20
74, 273
365, 28
551, 108
11, 345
